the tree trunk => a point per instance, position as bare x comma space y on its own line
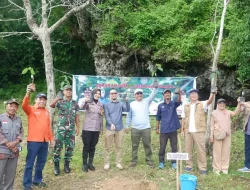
48, 62
215, 69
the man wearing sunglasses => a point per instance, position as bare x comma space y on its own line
114, 127
139, 117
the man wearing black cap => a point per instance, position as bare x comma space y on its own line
39, 134
167, 116
194, 129
67, 128
11, 134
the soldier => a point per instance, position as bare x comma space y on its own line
11, 134
67, 128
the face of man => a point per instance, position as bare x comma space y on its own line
11, 109
193, 96
221, 105
97, 95
67, 92
41, 102
167, 95
138, 96
113, 95
87, 93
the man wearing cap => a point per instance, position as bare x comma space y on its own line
138, 115
67, 128
11, 134
114, 128
39, 134
167, 116
86, 94
194, 129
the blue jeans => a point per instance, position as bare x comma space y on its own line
247, 151
36, 151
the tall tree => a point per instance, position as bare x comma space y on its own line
42, 31
216, 54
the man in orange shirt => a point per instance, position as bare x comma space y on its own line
39, 134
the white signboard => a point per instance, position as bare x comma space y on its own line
177, 156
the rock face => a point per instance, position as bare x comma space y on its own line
118, 60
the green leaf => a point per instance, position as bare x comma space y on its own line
25, 71
161, 69
32, 71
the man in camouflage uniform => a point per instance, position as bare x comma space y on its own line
67, 128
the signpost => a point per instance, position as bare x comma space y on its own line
177, 156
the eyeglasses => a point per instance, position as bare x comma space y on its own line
113, 93
137, 93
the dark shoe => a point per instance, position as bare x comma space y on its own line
203, 172
91, 167
56, 168
132, 164
85, 168
150, 164
27, 188
188, 169
41, 184
66, 167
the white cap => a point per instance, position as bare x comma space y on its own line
138, 90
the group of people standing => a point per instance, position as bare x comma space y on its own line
193, 129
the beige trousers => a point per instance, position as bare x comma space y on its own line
221, 154
115, 137
197, 139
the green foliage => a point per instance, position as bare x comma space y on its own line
66, 81
173, 29
32, 72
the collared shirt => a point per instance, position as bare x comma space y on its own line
67, 111
138, 114
10, 130
167, 114
191, 125
113, 114
93, 120
38, 122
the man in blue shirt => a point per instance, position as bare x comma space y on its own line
114, 128
167, 116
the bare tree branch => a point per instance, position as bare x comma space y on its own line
16, 5
7, 34
5, 6
67, 15
215, 31
30, 20
12, 19
44, 13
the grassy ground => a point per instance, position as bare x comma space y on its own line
162, 179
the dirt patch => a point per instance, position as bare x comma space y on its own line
122, 183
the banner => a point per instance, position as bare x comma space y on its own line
125, 86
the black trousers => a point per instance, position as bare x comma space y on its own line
90, 140
163, 143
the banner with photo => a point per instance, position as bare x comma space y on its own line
125, 86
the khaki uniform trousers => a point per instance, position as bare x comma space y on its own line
115, 137
197, 139
221, 154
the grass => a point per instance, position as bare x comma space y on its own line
165, 179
